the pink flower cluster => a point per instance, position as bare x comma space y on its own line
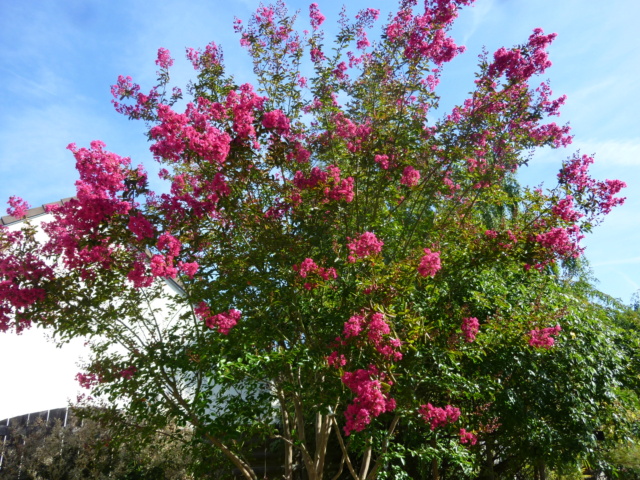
270, 27
162, 265
333, 187
364, 19
17, 207
264, 14
317, 55
423, 36
550, 107
128, 373
552, 134
211, 57
353, 326
298, 153
439, 417
336, 360
168, 242
513, 239
339, 189
276, 120
543, 338
102, 174
564, 210
188, 268
520, 66
410, 177
126, 88
106, 183
138, 274
164, 59
365, 245
429, 263
309, 267
383, 161
243, 105
176, 134
87, 380
316, 177
224, 322
355, 135
369, 402
467, 437
562, 241
575, 173
605, 192
478, 165
315, 16
193, 195
21, 281
141, 227
378, 334
340, 71
470, 328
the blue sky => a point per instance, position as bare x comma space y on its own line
58, 60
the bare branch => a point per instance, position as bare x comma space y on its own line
345, 455
380, 460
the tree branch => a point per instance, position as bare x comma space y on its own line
379, 461
345, 455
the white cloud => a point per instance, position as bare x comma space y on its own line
478, 13
625, 153
621, 261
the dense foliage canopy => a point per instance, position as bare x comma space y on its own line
332, 268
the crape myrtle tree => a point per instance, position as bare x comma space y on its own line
363, 284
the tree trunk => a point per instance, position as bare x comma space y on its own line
435, 473
366, 460
490, 460
288, 448
541, 470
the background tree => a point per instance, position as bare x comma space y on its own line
86, 449
331, 267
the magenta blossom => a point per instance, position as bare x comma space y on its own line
315, 16
467, 437
429, 264
369, 402
223, 322
128, 373
277, 121
138, 276
141, 227
439, 417
470, 327
365, 245
544, 338
87, 380
189, 269
17, 207
410, 177
353, 326
164, 60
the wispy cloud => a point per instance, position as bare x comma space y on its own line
624, 153
478, 14
621, 261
